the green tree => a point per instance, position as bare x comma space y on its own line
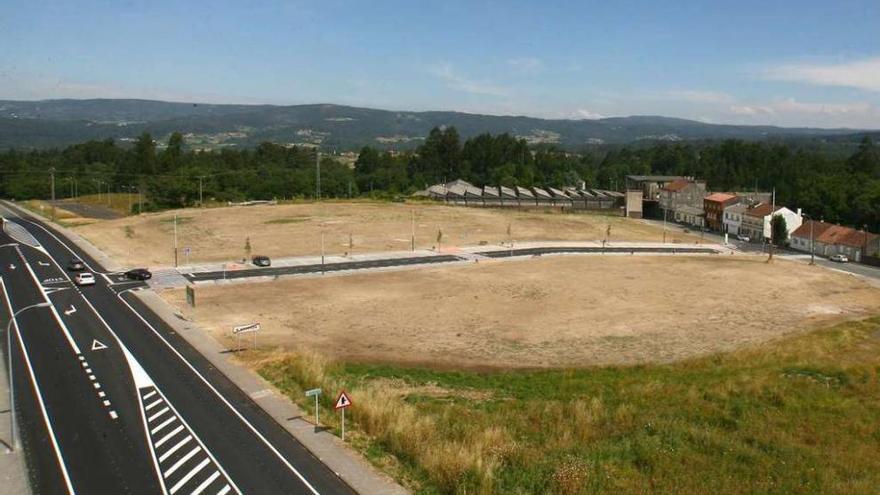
779, 230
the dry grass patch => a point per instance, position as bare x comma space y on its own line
547, 312
218, 234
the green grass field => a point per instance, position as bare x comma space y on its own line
798, 416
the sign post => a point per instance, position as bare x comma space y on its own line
250, 328
315, 392
342, 402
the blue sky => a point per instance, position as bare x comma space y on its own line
810, 63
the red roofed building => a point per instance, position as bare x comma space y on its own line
714, 206
830, 239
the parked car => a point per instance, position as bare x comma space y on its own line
84, 278
261, 261
743, 237
76, 265
139, 274
839, 258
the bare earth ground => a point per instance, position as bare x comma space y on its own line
547, 312
219, 234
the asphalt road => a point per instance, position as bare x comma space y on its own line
112, 401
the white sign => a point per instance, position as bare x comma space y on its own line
342, 401
313, 392
253, 327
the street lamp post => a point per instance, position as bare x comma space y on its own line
812, 251
15, 443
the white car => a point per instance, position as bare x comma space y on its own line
743, 237
85, 278
839, 258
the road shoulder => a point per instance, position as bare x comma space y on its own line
344, 461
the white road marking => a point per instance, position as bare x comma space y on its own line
199, 489
223, 399
97, 345
113, 414
163, 425
88, 370
224, 491
154, 416
183, 459
141, 378
154, 404
30, 368
190, 475
92, 377
174, 449
106, 402
150, 395
97, 385
102, 394
82, 358
168, 436
84, 364
70, 311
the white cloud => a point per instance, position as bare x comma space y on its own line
861, 74
795, 107
583, 113
526, 65
458, 82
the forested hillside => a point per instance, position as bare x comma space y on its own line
839, 188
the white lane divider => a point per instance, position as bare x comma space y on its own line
69, 311
185, 465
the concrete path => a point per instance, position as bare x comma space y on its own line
13, 474
340, 458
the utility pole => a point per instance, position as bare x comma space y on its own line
322, 250
52, 171
413, 227
772, 211
317, 174
201, 203
175, 239
130, 187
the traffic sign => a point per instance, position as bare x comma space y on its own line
253, 327
342, 401
313, 392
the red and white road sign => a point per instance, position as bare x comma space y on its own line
342, 401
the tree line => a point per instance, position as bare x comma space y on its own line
839, 188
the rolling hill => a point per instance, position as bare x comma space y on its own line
55, 123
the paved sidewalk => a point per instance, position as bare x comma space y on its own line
13, 474
340, 458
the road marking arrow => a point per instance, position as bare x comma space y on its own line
97, 345
41, 263
70, 311
11, 266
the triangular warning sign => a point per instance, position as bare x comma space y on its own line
97, 345
342, 401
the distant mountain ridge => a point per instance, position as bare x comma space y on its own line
55, 123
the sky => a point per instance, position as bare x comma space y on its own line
790, 63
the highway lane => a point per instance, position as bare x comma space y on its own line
87, 449
233, 435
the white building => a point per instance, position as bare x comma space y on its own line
733, 217
756, 221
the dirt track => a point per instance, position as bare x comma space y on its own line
559, 311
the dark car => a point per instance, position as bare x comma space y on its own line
76, 265
139, 274
261, 261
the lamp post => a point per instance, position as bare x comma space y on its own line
812, 243
15, 444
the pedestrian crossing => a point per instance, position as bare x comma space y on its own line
185, 465
167, 278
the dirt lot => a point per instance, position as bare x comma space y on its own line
553, 311
219, 234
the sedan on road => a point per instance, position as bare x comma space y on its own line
138, 274
261, 261
84, 278
76, 265
839, 258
